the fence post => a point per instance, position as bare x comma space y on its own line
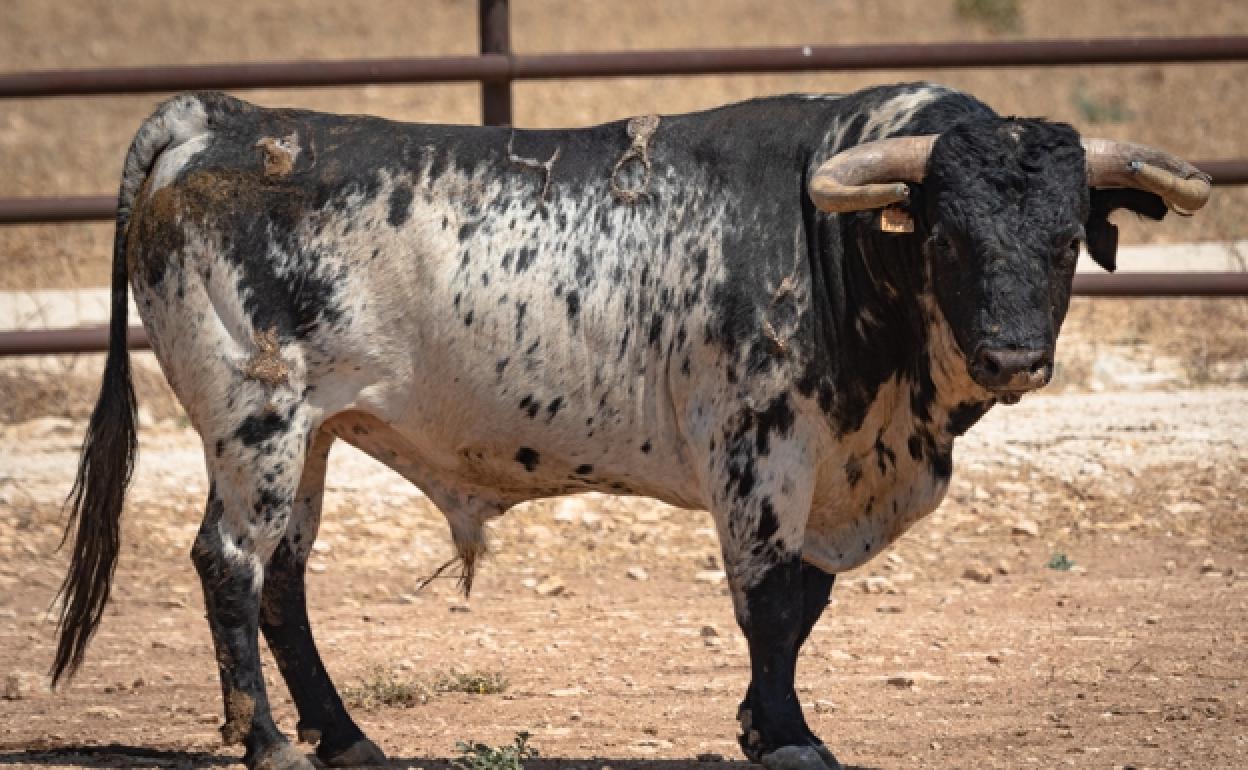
495, 38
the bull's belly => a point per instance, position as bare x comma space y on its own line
481, 451
851, 524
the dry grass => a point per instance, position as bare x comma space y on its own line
383, 687
387, 687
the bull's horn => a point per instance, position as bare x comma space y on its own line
870, 175
1123, 164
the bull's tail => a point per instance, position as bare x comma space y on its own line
110, 445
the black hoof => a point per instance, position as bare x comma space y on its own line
801, 758
362, 753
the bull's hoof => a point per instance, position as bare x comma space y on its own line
801, 758
282, 756
362, 753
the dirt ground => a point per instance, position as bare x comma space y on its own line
609, 622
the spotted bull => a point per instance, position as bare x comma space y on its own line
783, 311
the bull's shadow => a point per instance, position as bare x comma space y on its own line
137, 757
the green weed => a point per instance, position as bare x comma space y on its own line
479, 756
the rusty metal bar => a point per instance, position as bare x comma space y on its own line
94, 339
81, 208
888, 56
501, 68
86, 339
283, 74
1191, 284
495, 39
102, 208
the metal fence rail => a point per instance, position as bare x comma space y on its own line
497, 68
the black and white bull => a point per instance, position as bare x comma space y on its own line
782, 311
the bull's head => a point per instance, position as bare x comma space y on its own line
1003, 205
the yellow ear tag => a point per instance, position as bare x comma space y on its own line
895, 220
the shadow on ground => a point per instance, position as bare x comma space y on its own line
137, 757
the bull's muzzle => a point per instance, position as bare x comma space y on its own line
1011, 372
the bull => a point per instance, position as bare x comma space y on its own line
783, 311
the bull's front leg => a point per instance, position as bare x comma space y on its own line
761, 498
816, 587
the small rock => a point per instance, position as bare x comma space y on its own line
708, 631
551, 586
1003, 567
977, 572
17, 686
317, 567
876, 585
653, 743
637, 573
995, 659
908, 679
710, 756
105, 712
568, 510
824, 707
1152, 620
1171, 566
889, 609
1207, 567
567, 692
710, 576
322, 546
1025, 528
934, 746
1184, 508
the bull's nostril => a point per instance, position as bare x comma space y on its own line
1013, 367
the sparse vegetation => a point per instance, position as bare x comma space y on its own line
997, 15
471, 682
1060, 562
383, 687
479, 756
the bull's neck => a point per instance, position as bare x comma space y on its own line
892, 331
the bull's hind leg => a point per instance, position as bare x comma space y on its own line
284, 619
254, 473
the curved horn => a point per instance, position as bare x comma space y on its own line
1122, 164
870, 175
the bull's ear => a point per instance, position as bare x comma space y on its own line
1103, 234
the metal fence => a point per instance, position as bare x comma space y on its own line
497, 68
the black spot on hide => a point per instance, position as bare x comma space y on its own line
400, 204
529, 458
